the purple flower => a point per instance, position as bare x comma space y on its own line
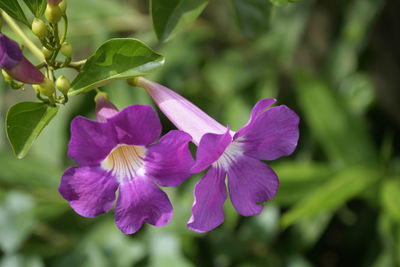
268, 135
15, 64
116, 152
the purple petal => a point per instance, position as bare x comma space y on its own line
141, 200
249, 182
89, 190
209, 197
210, 149
181, 112
272, 135
137, 125
258, 108
25, 72
169, 161
10, 52
104, 108
91, 141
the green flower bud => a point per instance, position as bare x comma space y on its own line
53, 13
39, 28
66, 49
46, 87
46, 52
100, 95
63, 6
1, 24
63, 84
7, 77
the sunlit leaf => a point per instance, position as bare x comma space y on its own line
298, 179
334, 193
24, 122
343, 137
171, 16
390, 197
116, 59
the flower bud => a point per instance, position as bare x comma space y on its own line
53, 13
53, 2
15, 64
39, 28
46, 87
66, 49
63, 84
63, 6
46, 52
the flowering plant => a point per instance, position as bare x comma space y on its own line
119, 151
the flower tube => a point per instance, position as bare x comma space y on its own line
118, 152
269, 134
15, 64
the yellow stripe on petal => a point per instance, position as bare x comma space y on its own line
125, 161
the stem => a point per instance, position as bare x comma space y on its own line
41, 65
78, 63
28, 43
64, 35
57, 43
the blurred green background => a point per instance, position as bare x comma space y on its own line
336, 63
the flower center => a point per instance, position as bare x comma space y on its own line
231, 153
125, 161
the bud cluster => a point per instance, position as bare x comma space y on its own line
17, 70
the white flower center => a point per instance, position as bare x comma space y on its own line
231, 153
125, 161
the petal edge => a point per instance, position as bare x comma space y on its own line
250, 182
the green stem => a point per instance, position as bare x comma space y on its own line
28, 43
57, 44
76, 64
64, 35
41, 65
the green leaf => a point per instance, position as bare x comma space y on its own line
297, 179
12, 8
24, 123
37, 7
171, 16
253, 16
390, 198
343, 137
116, 59
334, 193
